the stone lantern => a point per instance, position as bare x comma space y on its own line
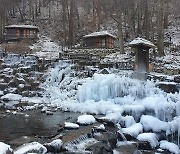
141, 47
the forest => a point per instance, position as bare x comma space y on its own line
66, 21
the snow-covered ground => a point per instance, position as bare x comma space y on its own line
45, 48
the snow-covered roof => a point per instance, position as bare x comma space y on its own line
101, 33
141, 41
22, 26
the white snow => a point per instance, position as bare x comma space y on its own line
133, 130
11, 97
101, 33
101, 127
149, 137
31, 147
173, 148
4, 148
57, 144
71, 125
141, 41
152, 123
21, 26
86, 119
46, 49
128, 120
1, 93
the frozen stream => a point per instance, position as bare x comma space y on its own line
141, 108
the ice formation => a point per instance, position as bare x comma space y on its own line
115, 96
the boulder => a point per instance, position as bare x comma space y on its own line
54, 146
3, 86
109, 137
33, 147
177, 79
5, 149
86, 120
144, 145
168, 87
126, 147
100, 148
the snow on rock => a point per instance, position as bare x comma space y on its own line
149, 137
86, 119
173, 148
4, 148
173, 126
152, 123
1, 93
100, 127
11, 97
44, 109
54, 146
128, 121
134, 130
33, 147
70, 125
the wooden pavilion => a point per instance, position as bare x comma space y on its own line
102, 39
20, 32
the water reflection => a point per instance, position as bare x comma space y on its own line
15, 126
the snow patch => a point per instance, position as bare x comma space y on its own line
4, 148
86, 119
133, 130
71, 125
149, 137
173, 148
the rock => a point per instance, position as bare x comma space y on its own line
109, 137
86, 120
69, 125
128, 137
144, 145
151, 138
108, 122
33, 147
177, 79
126, 147
168, 87
100, 148
5, 149
34, 84
3, 86
49, 113
7, 78
104, 71
100, 128
11, 97
54, 146
44, 109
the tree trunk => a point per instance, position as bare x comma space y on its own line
72, 23
64, 18
160, 27
120, 34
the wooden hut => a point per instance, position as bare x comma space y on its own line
20, 32
101, 39
142, 47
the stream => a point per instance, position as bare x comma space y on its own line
36, 124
